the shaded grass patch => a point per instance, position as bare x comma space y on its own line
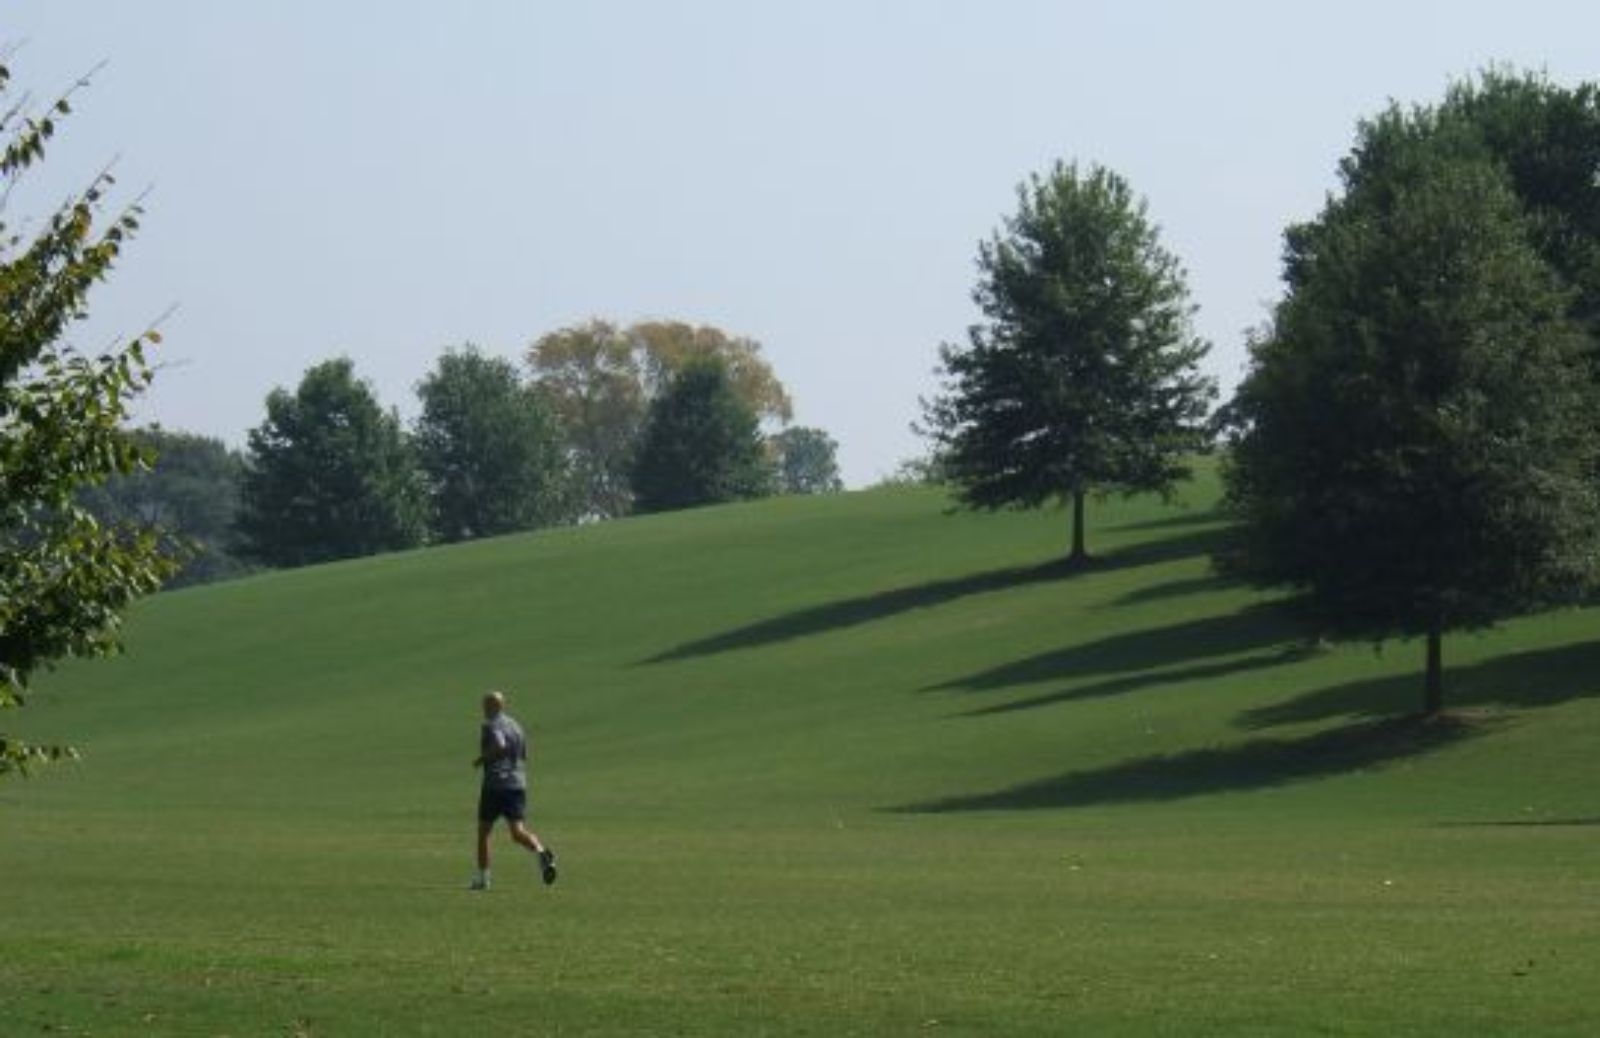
1530, 679
882, 605
1257, 764
1145, 650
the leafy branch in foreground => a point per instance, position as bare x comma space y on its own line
65, 578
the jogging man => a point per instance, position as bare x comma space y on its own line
503, 757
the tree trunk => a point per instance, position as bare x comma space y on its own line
1079, 553
1433, 688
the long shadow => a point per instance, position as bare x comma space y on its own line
1179, 589
1525, 823
1197, 517
1155, 550
1144, 679
881, 605
1258, 764
1248, 630
1540, 677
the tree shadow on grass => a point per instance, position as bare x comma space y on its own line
853, 612
1145, 679
1526, 823
1537, 678
1257, 764
1179, 589
1187, 517
1146, 652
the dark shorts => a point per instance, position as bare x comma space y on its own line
510, 804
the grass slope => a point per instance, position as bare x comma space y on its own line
817, 766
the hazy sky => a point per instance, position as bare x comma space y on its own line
387, 179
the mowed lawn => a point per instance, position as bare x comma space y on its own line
845, 765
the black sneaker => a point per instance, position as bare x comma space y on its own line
547, 866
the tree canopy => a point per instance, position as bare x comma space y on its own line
600, 380
1083, 376
701, 444
189, 492
329, 475
1415, 436
1545, 138
64, 578
489, 448
805, 461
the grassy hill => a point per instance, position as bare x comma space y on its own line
814, 766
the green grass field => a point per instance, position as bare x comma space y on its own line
843, 765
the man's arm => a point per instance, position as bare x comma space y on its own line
493, 747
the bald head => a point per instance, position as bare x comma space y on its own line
493, 704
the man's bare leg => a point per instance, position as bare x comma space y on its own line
484, 829
525, 836
530, 839
482, 881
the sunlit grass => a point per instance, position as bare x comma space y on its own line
841, 765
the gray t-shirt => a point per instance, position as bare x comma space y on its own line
505, 750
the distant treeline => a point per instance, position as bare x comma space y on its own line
603, 422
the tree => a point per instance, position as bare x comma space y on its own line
667, 347
1415, 440
701, 444
329, 475
591, 378
1083, 377
64, 578
923, 470
489, 448
189, 492
1546, 138
599, 380
806, 461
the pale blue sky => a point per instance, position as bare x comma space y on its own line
386, 179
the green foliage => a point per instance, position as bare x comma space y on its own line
599, 380
925, 470
1546, 138
1416, 435
701, 444
65, 579
1083, 376
329, 475
592, 380
489, 448
806, 461
189, 493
